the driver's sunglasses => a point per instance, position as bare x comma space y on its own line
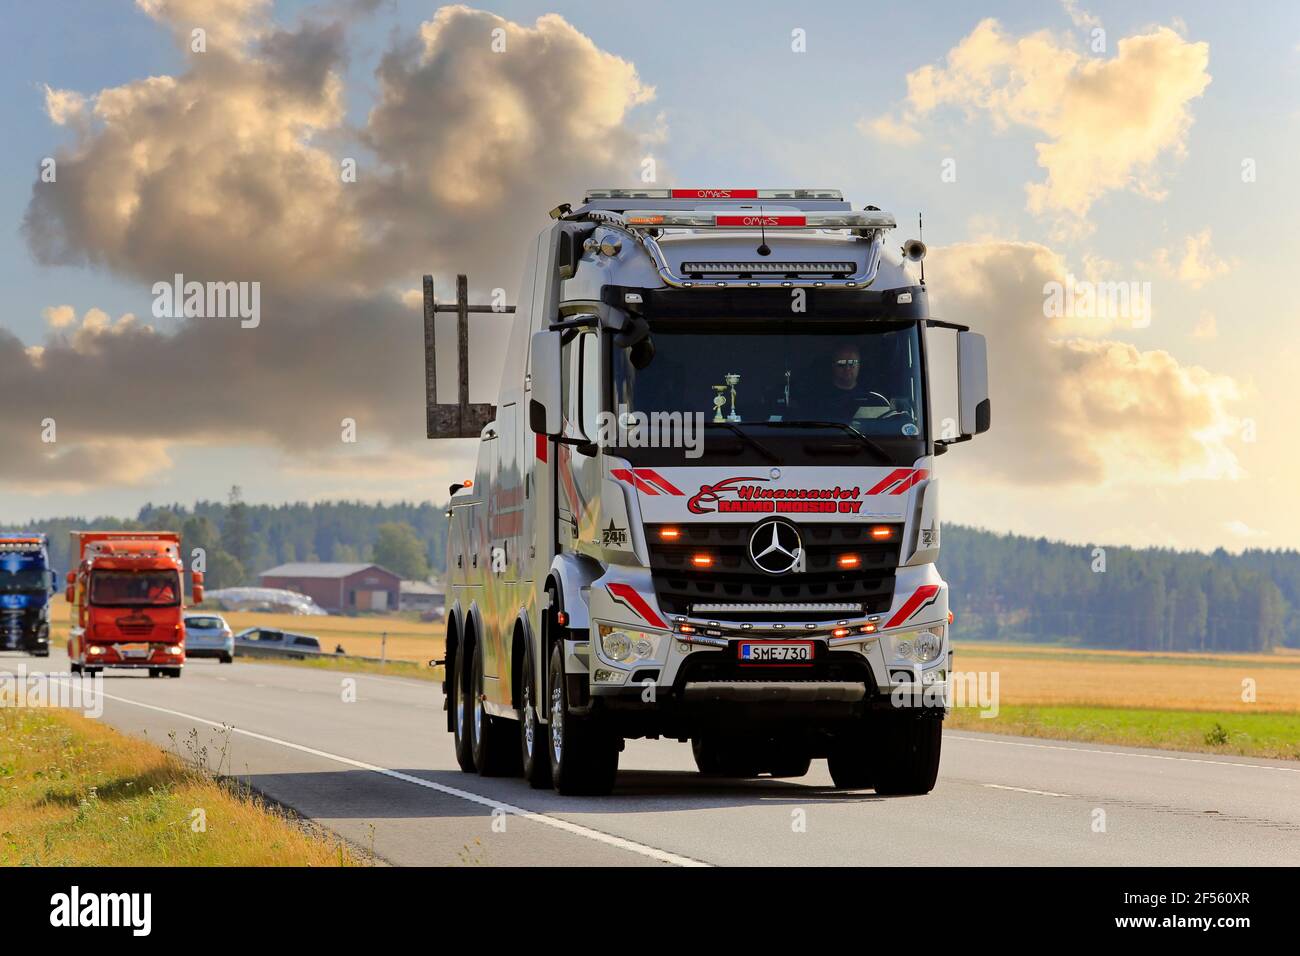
848, 363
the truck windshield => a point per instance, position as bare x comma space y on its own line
135, 588
22, 579
771, 378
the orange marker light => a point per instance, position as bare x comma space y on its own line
669, 534
840, 632
702, 560
468, 483
849, 561
882, 532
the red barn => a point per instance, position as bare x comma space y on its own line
338, 586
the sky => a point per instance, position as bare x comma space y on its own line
1065, 146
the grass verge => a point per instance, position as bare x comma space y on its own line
74, 792
1275, 735
409, 669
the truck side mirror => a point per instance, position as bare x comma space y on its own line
67, 594
544, 412
196, 586
973, 384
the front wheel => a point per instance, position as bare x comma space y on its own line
910, 759
584, 758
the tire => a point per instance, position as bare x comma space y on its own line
74, 667
459, 705
910, 759
155, 672
790, 764
491, 738
227, 658
533, 740
584, 759
717, 756
173, 672
853, 761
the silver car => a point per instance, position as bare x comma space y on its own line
208, 635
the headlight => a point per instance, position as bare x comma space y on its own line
921, 647
927, 646
628, 647
616, 645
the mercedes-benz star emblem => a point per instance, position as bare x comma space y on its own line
775, 547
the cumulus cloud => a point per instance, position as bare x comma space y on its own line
230, 171
1195, 263
1105, 123
1073, 409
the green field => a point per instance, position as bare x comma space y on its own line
74, 792
1275, 735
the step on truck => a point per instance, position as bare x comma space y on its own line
26, 584
127, 602
705, 506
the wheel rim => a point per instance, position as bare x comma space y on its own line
529, 718
478, 716
557, 724
462, 714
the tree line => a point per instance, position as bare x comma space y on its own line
241, 541
1009, 587
1004, 587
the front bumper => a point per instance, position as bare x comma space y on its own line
128, 655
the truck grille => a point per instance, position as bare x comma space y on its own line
733, 580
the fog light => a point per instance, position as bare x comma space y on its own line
604, 675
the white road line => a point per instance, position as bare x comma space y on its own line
1041, 793
1120, 753
663, 856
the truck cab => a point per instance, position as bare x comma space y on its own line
705, 508
26, 585
127, 602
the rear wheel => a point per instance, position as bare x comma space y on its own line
584, 758
719, 756
459, 705
492, 738
532, 733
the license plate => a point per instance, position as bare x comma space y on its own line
133, 650
776, 652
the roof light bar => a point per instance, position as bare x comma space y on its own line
722, 194
769, 268
670, 219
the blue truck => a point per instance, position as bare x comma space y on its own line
26, 587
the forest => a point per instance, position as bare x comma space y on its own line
1004, 587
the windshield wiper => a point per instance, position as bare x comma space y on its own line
748, 440
866, 442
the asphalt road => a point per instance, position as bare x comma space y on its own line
380, 771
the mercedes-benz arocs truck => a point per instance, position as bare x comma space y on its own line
26, 583
705, 506
126, 595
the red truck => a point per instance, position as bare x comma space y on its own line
127, 600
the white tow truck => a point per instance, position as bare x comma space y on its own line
705, 506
